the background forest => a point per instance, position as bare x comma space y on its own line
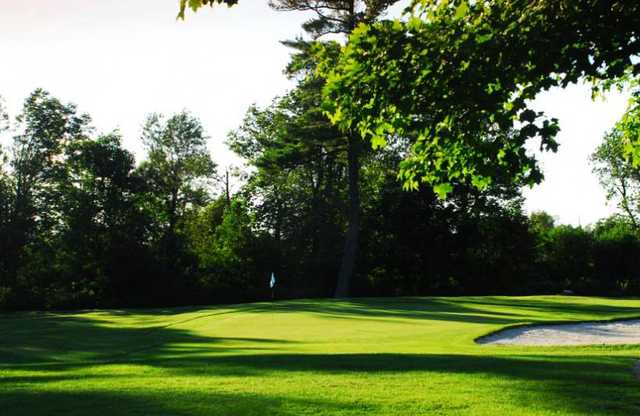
366, 179
83, 224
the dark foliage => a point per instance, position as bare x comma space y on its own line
83, 225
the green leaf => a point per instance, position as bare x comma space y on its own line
480, 182
443, 189
484, 38
378, 142
462, 10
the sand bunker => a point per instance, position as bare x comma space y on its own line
586, 333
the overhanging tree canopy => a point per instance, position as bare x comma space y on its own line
458, 76
196, 4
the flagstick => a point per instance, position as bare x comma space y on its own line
272, 285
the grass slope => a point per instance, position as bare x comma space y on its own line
406, 356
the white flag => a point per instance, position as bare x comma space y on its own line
272, 282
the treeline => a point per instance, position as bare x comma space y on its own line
82, 224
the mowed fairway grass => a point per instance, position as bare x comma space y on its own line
403, 356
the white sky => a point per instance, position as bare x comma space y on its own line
120, 60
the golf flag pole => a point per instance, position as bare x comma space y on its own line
272, 285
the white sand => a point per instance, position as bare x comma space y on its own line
592, 333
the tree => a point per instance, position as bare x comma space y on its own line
6, 199
569, 257
616, 255
629, 126
297, 189
226, 181
617, 173
334, 17
342, 17
178, 162
229, 258
458, 77
177, 175
46, 128
541, 222
103, 231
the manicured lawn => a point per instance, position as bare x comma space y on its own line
405, 356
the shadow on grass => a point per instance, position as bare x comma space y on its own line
68, 339
563, 307
592, 385
33, 339
173, 403
466, 309
56, 348
435, 309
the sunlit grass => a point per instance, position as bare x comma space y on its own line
405, 356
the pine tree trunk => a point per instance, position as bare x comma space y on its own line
351, 243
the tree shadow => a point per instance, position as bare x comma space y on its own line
580, 384
73, 339
436, 309
481, 310
34, 339
564, 306
175, 403
68, 351
586, 384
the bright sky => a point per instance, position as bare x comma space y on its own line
121, 60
